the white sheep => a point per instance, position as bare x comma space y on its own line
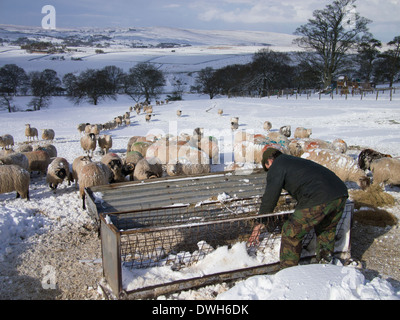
179, 113
93, 174
345, 167
339, 145
77, 165
14, 178
81, 127
145, 170
148, 117
386, 170
302, 133
31, 133
57, 171
220, 112
299, 146
88, 143
38, 160
17, 159
6, 141
49, 148
48, 134
267, 126
105, 143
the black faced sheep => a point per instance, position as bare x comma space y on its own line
114, 163
57, 171
367, 156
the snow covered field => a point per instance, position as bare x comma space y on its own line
363, 123
366, 123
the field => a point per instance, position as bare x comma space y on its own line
51, 238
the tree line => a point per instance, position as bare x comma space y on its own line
336, 41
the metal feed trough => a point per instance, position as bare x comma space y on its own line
174, 223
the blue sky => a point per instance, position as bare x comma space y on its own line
260, 15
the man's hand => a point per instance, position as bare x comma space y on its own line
253, 239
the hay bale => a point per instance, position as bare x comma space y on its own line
374, 196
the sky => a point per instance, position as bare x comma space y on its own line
258, 15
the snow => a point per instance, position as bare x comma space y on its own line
312, 282
366, 123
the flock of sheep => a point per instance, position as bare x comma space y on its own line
187, 154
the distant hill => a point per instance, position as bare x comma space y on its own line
144, 37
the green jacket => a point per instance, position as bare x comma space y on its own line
311, 184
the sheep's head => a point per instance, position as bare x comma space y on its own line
364, 182
61, 173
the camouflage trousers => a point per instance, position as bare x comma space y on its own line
323, 218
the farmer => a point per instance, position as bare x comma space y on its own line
321, 197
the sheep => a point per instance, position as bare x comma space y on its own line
88, 143
129, 164
298, 147
6, 141
25, 147
386, 171
134, 139
144, 170
49, 148
81, 127
286, 131
234, 123
77, 165
339, 145
57, 171
105, 143
195, 168
48, 134
301, 133
17, 159
114, 163
38, 160
345, 167
140, 147
31, 132
93, 174
267, 126
148, 117
210, 146
220, 112
179, 113
368, 156
14, 178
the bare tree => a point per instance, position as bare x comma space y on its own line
331, 33
388, 64
144, 80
